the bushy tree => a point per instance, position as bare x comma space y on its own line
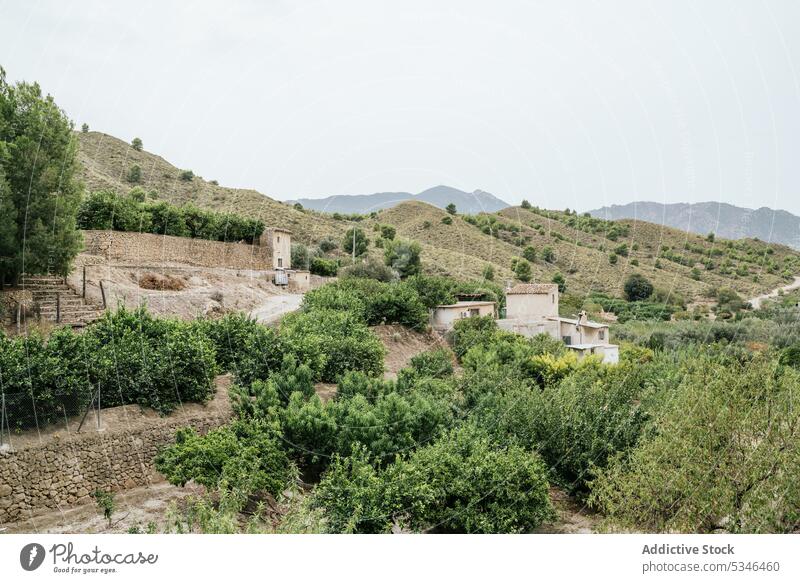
324, 267
548, 254
39, 190
245, 458
529, 253
388, 232
637, 287
136, 144
718, 457
463, 482
559, 280
85, 128
134, 174
522, 269
525, 204
451, 209
300, 257
332, 343
369, 269
403, 257
355, 238
488, 273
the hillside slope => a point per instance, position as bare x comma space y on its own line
726, 220
106, 161
674, 260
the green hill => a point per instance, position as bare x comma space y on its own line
583, 246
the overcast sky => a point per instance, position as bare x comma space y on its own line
567, 104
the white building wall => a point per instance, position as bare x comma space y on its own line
531, 306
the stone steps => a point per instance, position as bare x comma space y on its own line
57, 302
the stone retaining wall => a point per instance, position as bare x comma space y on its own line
66, 472
145, 248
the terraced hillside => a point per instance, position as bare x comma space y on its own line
591, 253
106, 161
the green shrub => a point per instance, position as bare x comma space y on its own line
461, 483
244, 457
132, 357
467, 483
529, 253
324, 267
369, 269
717, 456
137, 144
187, 175
436, 363
637, 287
332, 342
300, 258
522, 270
107, 210
355, 238
134, 174
403, 257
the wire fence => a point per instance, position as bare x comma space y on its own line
23, 412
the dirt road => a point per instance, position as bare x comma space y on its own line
276, 306
756, 302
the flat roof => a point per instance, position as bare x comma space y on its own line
465, 305
576, 322
587, 346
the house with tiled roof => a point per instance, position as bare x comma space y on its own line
532, 309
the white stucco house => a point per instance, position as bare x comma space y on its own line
532, 309
444, 317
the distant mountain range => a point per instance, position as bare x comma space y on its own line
722, 219
440, 196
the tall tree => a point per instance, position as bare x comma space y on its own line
39, 191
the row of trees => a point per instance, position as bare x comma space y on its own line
106, 210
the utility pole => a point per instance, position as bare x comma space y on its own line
354, 244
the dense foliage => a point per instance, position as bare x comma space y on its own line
695, 429
39, 190
131, 357
106, 210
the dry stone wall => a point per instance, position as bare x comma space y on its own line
145, 248
66, 472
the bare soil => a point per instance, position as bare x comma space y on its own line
403, 344
573, 517
176, 290
136, 507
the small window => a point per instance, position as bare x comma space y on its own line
567, 340
279, 238
553, 297
601, 335
280, 261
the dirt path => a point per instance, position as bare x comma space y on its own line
276, 306
756, 302
136, 507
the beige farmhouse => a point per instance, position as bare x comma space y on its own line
532, 309
280, 242
444, 317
